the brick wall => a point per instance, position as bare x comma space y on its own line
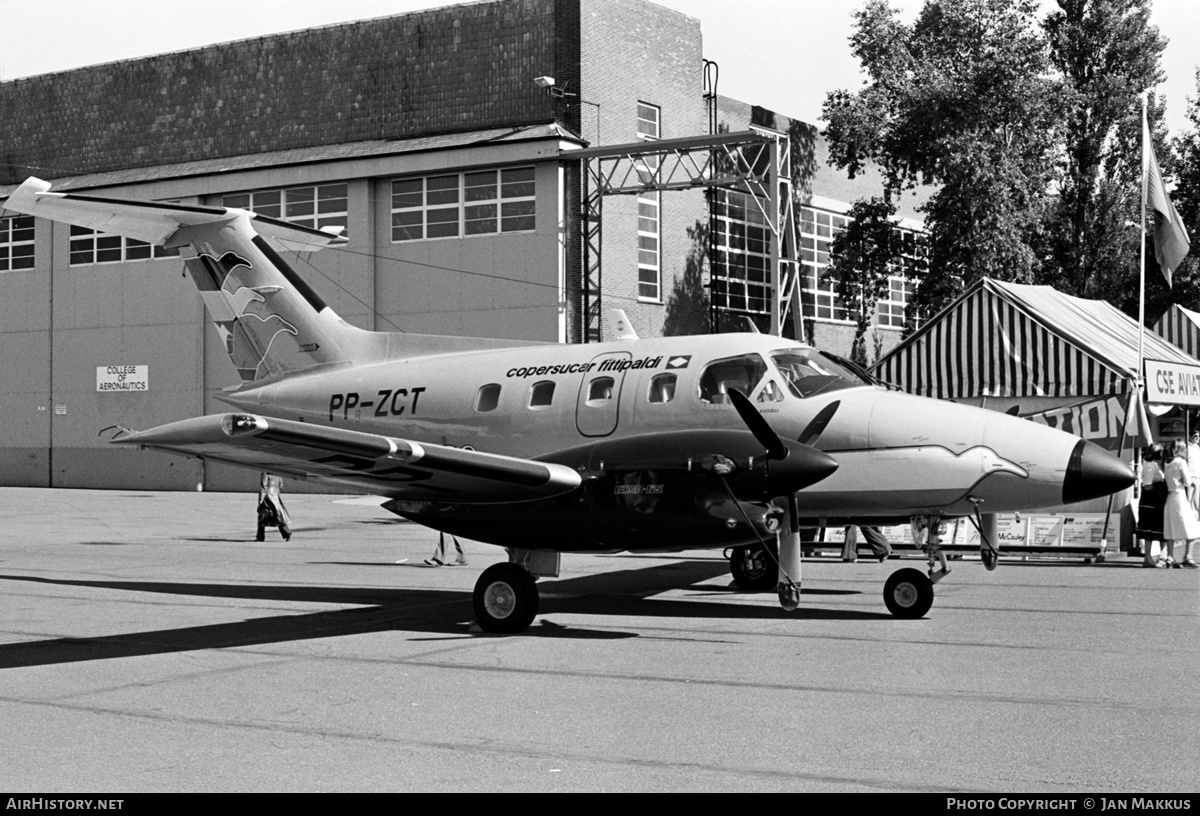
443, 70
637, 51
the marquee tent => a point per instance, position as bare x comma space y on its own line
1031, 350
1180, 327
1013, 340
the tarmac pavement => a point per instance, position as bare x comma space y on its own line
147, 643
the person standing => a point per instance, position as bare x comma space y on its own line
1180, 523
1150, 504
271, 511
439, 553
1193, 466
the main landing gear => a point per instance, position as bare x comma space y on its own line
506, 599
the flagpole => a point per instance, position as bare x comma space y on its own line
1142, 273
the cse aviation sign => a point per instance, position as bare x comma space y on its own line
122, 378
1172, 383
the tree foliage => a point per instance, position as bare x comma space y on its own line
1028, 131
863, 255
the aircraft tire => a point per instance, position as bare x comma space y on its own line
763, 573
505, 599
908, 593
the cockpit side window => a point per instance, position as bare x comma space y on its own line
742, 373
808, 372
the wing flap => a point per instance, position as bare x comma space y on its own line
382, 465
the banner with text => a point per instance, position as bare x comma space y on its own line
1172, 383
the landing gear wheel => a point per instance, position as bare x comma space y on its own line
754, 568
989, 557
506, 599
908, 593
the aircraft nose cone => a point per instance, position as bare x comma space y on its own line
1093, 472
803, 466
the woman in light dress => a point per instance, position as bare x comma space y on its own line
1179, 519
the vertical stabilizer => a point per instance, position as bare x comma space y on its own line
272, 322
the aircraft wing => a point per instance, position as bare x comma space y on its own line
380, 465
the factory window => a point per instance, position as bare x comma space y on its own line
16, 243
817, 231
317, 207
742, 264
647, 120
482, 202
91, 247
649, 209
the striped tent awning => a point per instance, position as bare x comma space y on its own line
1013, 340
1181, 328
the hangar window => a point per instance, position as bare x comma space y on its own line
487, 398
316, 207
16, 243
91, 247
541, 395
482, 202
662, 388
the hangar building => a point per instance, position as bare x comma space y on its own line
427, 138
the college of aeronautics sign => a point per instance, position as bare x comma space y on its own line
1172, 383
116, 379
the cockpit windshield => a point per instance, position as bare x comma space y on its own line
809, 372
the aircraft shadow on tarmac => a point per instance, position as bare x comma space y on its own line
624, 593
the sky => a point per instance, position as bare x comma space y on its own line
782, 54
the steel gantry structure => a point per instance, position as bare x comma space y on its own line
756, 162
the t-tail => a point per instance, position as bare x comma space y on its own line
272, 322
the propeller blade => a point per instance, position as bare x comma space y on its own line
758, 426
813, 430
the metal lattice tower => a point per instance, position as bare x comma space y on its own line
756, 162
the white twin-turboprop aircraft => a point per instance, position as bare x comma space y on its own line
722, 441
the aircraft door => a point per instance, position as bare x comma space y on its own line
597, 410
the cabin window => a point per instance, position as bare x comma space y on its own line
541, 395
488, 398
721, 376
662, 388
601, 389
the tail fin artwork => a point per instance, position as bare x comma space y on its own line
272, 322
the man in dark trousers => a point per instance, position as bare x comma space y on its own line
270, 507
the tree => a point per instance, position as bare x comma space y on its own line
962, 99
687, 310
1107, 53
862, 256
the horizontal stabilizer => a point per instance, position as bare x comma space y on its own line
152, 222
381, 465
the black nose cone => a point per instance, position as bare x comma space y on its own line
1094, 472
803, 466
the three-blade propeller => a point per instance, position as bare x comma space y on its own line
758, 426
